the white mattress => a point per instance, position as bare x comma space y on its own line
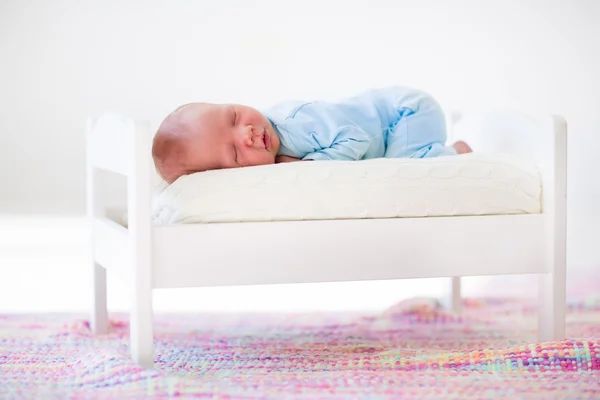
471, 184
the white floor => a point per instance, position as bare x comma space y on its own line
44, 267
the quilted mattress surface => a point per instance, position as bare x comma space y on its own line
471, 184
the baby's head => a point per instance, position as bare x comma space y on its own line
200, 136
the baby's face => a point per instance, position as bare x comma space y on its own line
227, 136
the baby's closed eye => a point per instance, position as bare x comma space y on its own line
235, 155
234, 116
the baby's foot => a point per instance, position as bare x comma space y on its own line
461, 147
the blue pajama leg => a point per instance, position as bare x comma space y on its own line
420, 132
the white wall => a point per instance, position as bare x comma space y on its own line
60, 60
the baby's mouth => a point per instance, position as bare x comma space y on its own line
266, 140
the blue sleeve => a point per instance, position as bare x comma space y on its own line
350, 144
326, 131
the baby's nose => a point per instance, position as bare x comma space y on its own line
251, 135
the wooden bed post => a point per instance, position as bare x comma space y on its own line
552, 285
140, 247
99, 317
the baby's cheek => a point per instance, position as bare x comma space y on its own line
264, 159
270, 158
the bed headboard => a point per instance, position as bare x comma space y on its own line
119, 166
541, 139
503, 131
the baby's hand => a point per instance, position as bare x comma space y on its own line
282, 159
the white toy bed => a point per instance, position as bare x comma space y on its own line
501, 210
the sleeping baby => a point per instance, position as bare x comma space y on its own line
396, 122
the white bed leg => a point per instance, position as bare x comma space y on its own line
452, 299
552, 286
99, 322
141, 330
551, 324
140, 246
99, 312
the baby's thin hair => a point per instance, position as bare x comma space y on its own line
168, 149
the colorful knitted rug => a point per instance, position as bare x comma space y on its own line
413, 350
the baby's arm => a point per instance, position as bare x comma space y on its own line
350, 144
325, 131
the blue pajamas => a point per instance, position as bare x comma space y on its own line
396, 122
